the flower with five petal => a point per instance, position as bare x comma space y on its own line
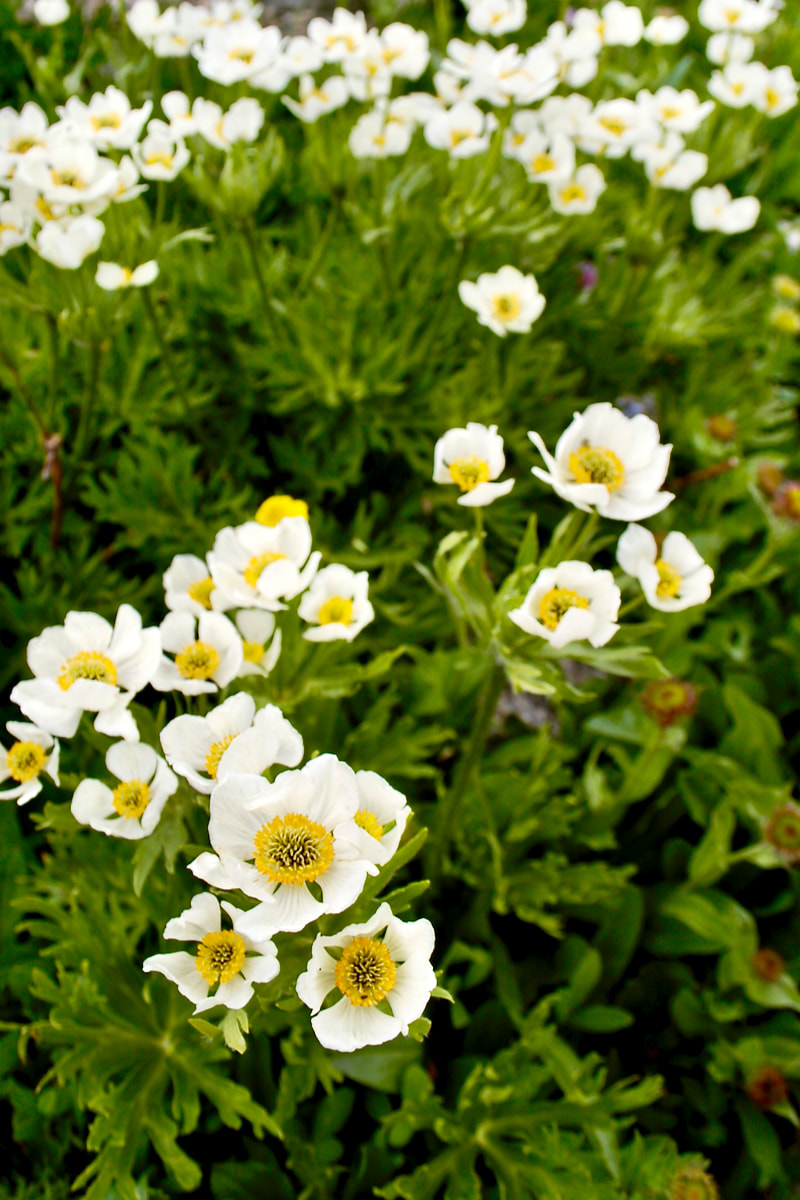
673, 577
472, 458
32, 752
207, 649
506, 302
133, 808
570, 603
336, 604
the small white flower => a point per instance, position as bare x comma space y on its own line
681, 111
673, 578
228, 960
670, 166
735, 16
381, 818
496, 17
617, 125
107, 120
340, 37
188, 585
463, 130
160, 155
575, 52
608, 462
570, 603
275, 839
547, 158
776, 93
260, 566
15, 225
616, 24
318, 99
50, 12
132, 810
737, 84
86, 666
241, 123
722, 48
666, 30
177, 108
578, 195
301, 56
261, 641
714, 208
336, 604
32, 752
232, 737
111, 277
239, 51
381, 959
506, 301
405, 50
375, 136
205, 658
472, 457
68, 245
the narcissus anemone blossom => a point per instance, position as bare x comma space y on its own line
336, 604
261, 641
32, 752
294, 842
672, 578
133, 808
188, 585
472, 458
112, 277
570, 603
208, 653
260, 566
381, 817
86, 666
506, 302
608, 462
383, 964
232, 737
227, 962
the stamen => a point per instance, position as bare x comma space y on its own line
293, 849
336, 611
558, 601
252, 571
131, 798
506, 306
253, 652
200, 591
275, 508
365, 973
25, 760
216, 752
198, 660
596, 464
468, 472
367, 821
89, 664
669, 580
220, 956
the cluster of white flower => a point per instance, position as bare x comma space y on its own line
301, 846
605, 462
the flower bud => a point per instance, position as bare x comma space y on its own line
667, 700
767, 1088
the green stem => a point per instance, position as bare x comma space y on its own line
252, 248
24, 395
52, 330
87, 405
442, 825
323, 242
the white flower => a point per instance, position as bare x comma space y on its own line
714, 208
463, 130
232, 737
132, 810
228, 960
570, 603
381, 818
722, 48
239, 51
616, 24
547, 158
382, 959
260, 566
188, 585
405, 50
735, 16
318, 99
608, 462
241, 123
20, 132
275, 839
69, 171
666, 30
32, 752
776, 93
50, 12
68, 245
300, 56
472, 457
575, 52
681, 111
339, 38
673, 578
374, 135
205, 659
160, 155
506, 302
737, 84
614, 126
496, 17
670, 166
368, 73
336, 604
261, 641
107, 120
86, 666
111, 277
15, 225
579, 194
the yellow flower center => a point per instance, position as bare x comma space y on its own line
106, 121
558, 601
506, 306
613, 125
785, 319
198, 660
595, 464
572, 193
21, 145
242, 55
669, 580
293, 849
160, 156
468, 472
131, 798
89, 664
668, 113
459, 135
67, 179
253, 652
542, 162
252, 571
215, 753
772, 97
275, 508
732, 15
220, 956
44, 209
200, 591
367, 820
25, 760
787, 287
336, 611
365, 973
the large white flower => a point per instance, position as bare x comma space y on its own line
336, 604
608, 462
278, 841
471, 458
132, 810
260, 566
232, 737
32, 752
228, 960
672, 578
206, 658
506, 301
381, 959
86, 666
714, 208
570, 603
